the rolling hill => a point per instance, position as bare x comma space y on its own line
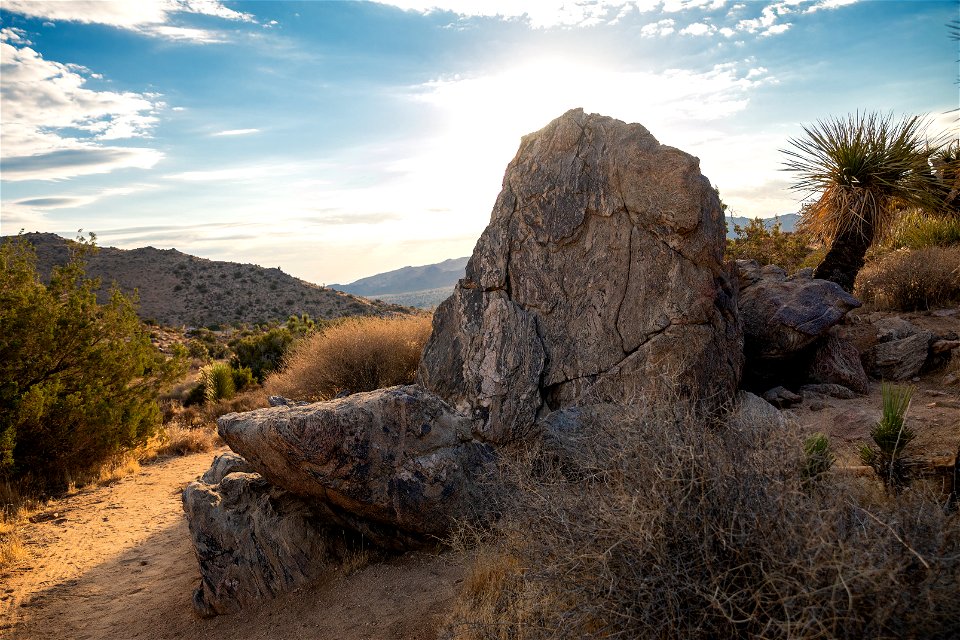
177, 289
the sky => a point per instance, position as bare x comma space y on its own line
337, 140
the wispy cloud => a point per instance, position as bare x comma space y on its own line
53, 127
149, 17
236, 132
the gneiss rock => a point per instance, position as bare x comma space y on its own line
784, 315
600, 277
397, 458
899, 359
836, 361
254, 540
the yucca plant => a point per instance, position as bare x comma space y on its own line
866, 168
892, 437
217, 381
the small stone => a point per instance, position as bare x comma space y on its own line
817, 406
782, 398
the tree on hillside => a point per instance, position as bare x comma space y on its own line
866, 168
78, 380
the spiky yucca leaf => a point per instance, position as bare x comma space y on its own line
865, 167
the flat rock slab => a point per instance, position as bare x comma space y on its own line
783, 315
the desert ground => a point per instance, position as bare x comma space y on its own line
116, 562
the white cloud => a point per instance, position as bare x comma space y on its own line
53, 127
151, 17
235, 132
830, 4
554, 13
659, 28
698, 29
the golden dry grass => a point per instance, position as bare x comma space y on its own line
359, 354
909, 280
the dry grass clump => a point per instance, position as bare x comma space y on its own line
911, 280
359, 354
653, 526
180, 440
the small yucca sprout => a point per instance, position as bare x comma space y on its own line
892, 436
817, 456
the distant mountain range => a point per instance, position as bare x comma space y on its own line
177, 289
425, 286
788, 222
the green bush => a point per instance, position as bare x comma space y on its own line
769, 246
262, 353
243, 378
817, 456
79, 381
916, 230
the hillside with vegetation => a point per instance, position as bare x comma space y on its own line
177, 289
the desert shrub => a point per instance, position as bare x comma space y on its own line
262, 353
653, 525
910, 280
79, 381
769, 246
892, 438
243, 378
359, 354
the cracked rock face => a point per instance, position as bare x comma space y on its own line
397, 464
600, 277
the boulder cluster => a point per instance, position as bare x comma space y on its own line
599, 280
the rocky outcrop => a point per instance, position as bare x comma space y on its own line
397, 464
899, 359
600, 277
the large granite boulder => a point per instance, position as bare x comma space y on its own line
599, 278
399, 459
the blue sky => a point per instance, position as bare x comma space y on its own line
340, 139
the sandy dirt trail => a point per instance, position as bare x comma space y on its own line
116, 562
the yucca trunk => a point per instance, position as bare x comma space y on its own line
846, 256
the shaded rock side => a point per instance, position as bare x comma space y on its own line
837, 361
397, 464
254, 541
599, 276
